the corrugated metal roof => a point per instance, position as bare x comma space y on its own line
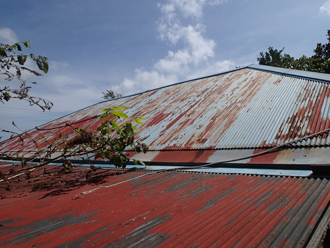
170, 209
292, 72
251, 107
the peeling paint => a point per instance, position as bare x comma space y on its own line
168, 210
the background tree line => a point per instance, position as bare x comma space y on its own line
318, 62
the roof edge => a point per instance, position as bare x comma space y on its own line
291, 72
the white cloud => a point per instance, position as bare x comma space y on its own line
58, 86
8, 36
68, 91
191, 60
144, 80
211, 69
189, 8
175, 62
56, 64
201, 48
197, 49
325, 8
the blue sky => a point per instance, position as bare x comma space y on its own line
132, 46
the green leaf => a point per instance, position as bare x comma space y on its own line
138, 121
21, 59
138, 162
26, 44
141, 117
137, 149
142, 163
119, 114
19, 48
39, 64
3, 53
45, 64
35, 73
114, 124
120, 108
42, 65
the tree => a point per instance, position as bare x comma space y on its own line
109, 94
321, 57
274, 57
12, 65
108, 142
319, 62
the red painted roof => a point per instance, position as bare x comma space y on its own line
168, 209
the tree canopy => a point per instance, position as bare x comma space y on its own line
109, 94
318, 62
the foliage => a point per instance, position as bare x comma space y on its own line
319, 62
274, 57
109, 94
321, 56
12, 65
109, 142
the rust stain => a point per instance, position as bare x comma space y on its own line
157, 119
197, 156
201, 114
268, 158
307, 118
169, 209
180, 116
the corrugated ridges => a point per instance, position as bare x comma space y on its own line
171, 210
247, 108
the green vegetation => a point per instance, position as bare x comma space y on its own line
319, 62
109, 141
12, 64
109, 94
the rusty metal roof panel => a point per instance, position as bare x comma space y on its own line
165, 210
246, 108
292, 72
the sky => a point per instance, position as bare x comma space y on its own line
132, 46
